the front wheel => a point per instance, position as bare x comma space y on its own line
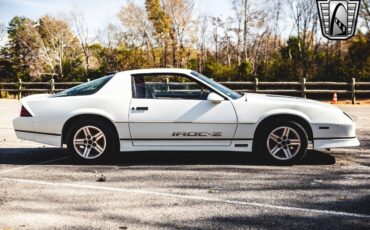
90, 140
283, 142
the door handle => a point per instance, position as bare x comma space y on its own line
142, 108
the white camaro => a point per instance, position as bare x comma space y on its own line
177, 109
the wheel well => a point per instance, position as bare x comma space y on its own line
287, 117
77, 118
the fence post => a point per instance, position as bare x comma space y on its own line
353, 91
19, 89
167, 84
303, 87
52, 85
256, 85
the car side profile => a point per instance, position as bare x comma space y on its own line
179, 109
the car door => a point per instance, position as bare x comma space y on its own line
173, 110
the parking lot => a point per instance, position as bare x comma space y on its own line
41, 187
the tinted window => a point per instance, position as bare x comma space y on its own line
87, 88
221, 88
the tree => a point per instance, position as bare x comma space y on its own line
42, 48
84, 38
239, 20
2, 33
138, 30
245, 30
180, 14
218, 25
165, 33
6, 68
305, 17
59, 45
365, 12
358, 57
242, 10
162, 26
201, 46
22, 48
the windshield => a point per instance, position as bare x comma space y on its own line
87, 88
219, 87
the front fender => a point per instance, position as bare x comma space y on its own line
248, 129
283, 112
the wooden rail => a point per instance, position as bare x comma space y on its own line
299, 87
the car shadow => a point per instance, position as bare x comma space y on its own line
25, 156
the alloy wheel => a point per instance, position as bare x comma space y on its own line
284, 143
89, 142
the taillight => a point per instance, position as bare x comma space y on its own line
24, 112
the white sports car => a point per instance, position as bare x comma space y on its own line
177, 109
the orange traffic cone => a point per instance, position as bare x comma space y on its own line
335, 98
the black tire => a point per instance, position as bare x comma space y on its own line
278, 148
99, 147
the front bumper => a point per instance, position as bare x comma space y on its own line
335, 143
328, 135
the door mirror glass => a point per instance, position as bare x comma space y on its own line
215, 98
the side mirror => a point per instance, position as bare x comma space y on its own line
215, 98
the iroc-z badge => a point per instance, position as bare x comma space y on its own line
338, 18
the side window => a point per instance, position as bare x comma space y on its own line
168, 86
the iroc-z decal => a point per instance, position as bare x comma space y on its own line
197, 134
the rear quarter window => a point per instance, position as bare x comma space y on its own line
87, 88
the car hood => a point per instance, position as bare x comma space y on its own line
287, 100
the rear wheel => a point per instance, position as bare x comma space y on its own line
91, 140
283, 142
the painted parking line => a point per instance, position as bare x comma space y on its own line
189, 197
34, 164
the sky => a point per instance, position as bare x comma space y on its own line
97, 13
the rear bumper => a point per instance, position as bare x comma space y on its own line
336, 143
23, 127
44, 138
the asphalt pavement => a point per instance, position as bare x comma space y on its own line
41, 187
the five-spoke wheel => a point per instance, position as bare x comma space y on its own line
89, 142
91, 139
283, 141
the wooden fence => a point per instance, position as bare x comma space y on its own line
302, 88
